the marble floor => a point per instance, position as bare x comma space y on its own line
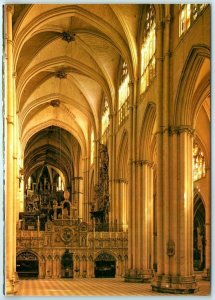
92, 287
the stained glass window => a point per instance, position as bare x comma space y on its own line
198, 163
124, 87
188, 14
148, 50
105, 117
123, 93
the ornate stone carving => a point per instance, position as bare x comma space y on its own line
68, 37
66, 234
100, 206
61, 74
180, 129
26, 256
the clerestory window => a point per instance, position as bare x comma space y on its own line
148, 50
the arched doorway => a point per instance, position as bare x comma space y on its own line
199, 234
105, 266
67, 265
27, 265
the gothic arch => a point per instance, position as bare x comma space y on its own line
109, 252
28, 31
27, 264
203, 148
58, 123
28, 251
145, 139
123, 156
185, 106
70, 64
199, 232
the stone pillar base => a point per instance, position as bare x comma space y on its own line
206, 275
11, 287
135, 275
175, 284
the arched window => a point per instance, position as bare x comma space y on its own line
188, 13
123, 94
198, 163
148, 50
60, 185
105, 121
92, 147
29, 182
185, 16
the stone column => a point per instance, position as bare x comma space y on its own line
111, 155
86, 194
175, 210
143, 226
10, 286
131, 202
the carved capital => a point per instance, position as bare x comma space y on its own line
144, 162
181, 129
10, 8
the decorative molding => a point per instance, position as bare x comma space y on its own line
181, 129
10, 8
66, 234
55, 103
176, 130
143, 162
26, 256
68, 37
61, 74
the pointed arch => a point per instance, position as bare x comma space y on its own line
123, 156
199, 214
145, 139
185, 106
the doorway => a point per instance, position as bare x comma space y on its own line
199, 234
67, 265
105, 266
27, 265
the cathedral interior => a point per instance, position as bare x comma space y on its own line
107, 143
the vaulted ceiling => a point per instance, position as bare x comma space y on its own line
67, 59
85, 43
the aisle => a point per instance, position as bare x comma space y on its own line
92, 287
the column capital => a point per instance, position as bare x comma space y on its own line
10, 8
143, 162
181, 129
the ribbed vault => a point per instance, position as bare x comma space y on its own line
53, 147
